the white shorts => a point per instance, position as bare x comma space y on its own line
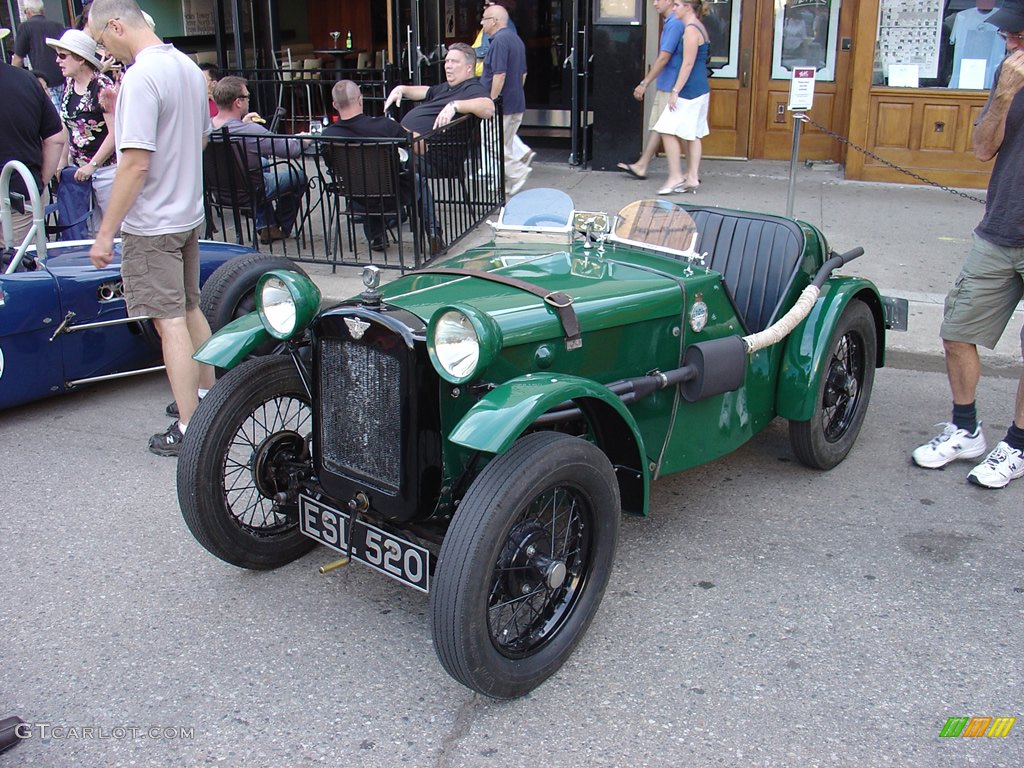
688, 121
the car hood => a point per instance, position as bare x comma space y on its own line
605, 292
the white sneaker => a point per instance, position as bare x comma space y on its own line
999, 468
952, 443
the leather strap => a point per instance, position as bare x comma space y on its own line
559, 301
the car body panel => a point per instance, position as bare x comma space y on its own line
234, 342
35, 363
807, 346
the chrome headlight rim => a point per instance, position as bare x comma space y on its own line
486, 335
287, 302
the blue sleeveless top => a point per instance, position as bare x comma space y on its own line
697, 83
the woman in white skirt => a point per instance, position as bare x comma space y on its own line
686, 116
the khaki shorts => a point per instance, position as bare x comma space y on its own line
986, 292
160, 273
657, 107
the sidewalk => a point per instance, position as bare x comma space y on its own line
914, 238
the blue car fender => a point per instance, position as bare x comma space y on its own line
807, 347
504, 413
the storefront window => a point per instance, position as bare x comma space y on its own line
723, 25
805, 36
937, 44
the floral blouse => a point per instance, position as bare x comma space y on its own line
83, 117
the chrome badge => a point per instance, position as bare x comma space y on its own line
356, 327
698, 316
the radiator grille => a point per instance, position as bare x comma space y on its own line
361, 422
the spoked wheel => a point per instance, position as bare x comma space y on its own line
242, 462
827, 437
525, 563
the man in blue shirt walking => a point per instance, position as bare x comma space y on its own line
663, 73
505, 74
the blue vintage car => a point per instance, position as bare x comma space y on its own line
63, 323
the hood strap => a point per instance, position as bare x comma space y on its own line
559, 301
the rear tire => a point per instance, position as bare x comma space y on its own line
843, 394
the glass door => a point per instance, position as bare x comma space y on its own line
417, 34
557, 38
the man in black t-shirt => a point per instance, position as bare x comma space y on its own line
33, 133
461, 94
353, 123
31, 42
991, 283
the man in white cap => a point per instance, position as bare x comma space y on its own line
991, 282
161, 123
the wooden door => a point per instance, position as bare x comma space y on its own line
731, 27
816, 33
748, 114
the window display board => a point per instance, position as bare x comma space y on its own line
909, 33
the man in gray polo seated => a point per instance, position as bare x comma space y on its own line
283, 183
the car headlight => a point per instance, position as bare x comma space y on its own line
462, 342
287, 301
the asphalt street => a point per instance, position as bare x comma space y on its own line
765, 614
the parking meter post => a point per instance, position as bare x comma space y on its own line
798, 118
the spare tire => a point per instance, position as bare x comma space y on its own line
230, 292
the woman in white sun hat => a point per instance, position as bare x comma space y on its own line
90, 130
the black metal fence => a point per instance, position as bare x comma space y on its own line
391, 202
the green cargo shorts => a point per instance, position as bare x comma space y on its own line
160, 273
985, 294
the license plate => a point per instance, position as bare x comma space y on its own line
897, 313
390, 554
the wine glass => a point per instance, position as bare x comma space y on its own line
335, 36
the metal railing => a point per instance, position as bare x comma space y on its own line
391, 202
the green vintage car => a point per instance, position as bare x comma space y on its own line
475, 430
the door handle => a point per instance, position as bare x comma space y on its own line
745, 68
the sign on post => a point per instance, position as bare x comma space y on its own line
801, 89
801, 96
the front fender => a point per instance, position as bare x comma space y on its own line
234, 342
504, 413
804, 359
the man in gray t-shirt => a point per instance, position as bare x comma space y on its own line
991, 282
284, 183
161, 121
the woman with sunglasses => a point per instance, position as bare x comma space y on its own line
90, 148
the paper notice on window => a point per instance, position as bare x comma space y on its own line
903, 75
972, 74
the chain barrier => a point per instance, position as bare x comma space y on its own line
883, 161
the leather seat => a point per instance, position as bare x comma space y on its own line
757, 256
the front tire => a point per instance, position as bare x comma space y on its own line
827, 437
525, 563
243, 458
